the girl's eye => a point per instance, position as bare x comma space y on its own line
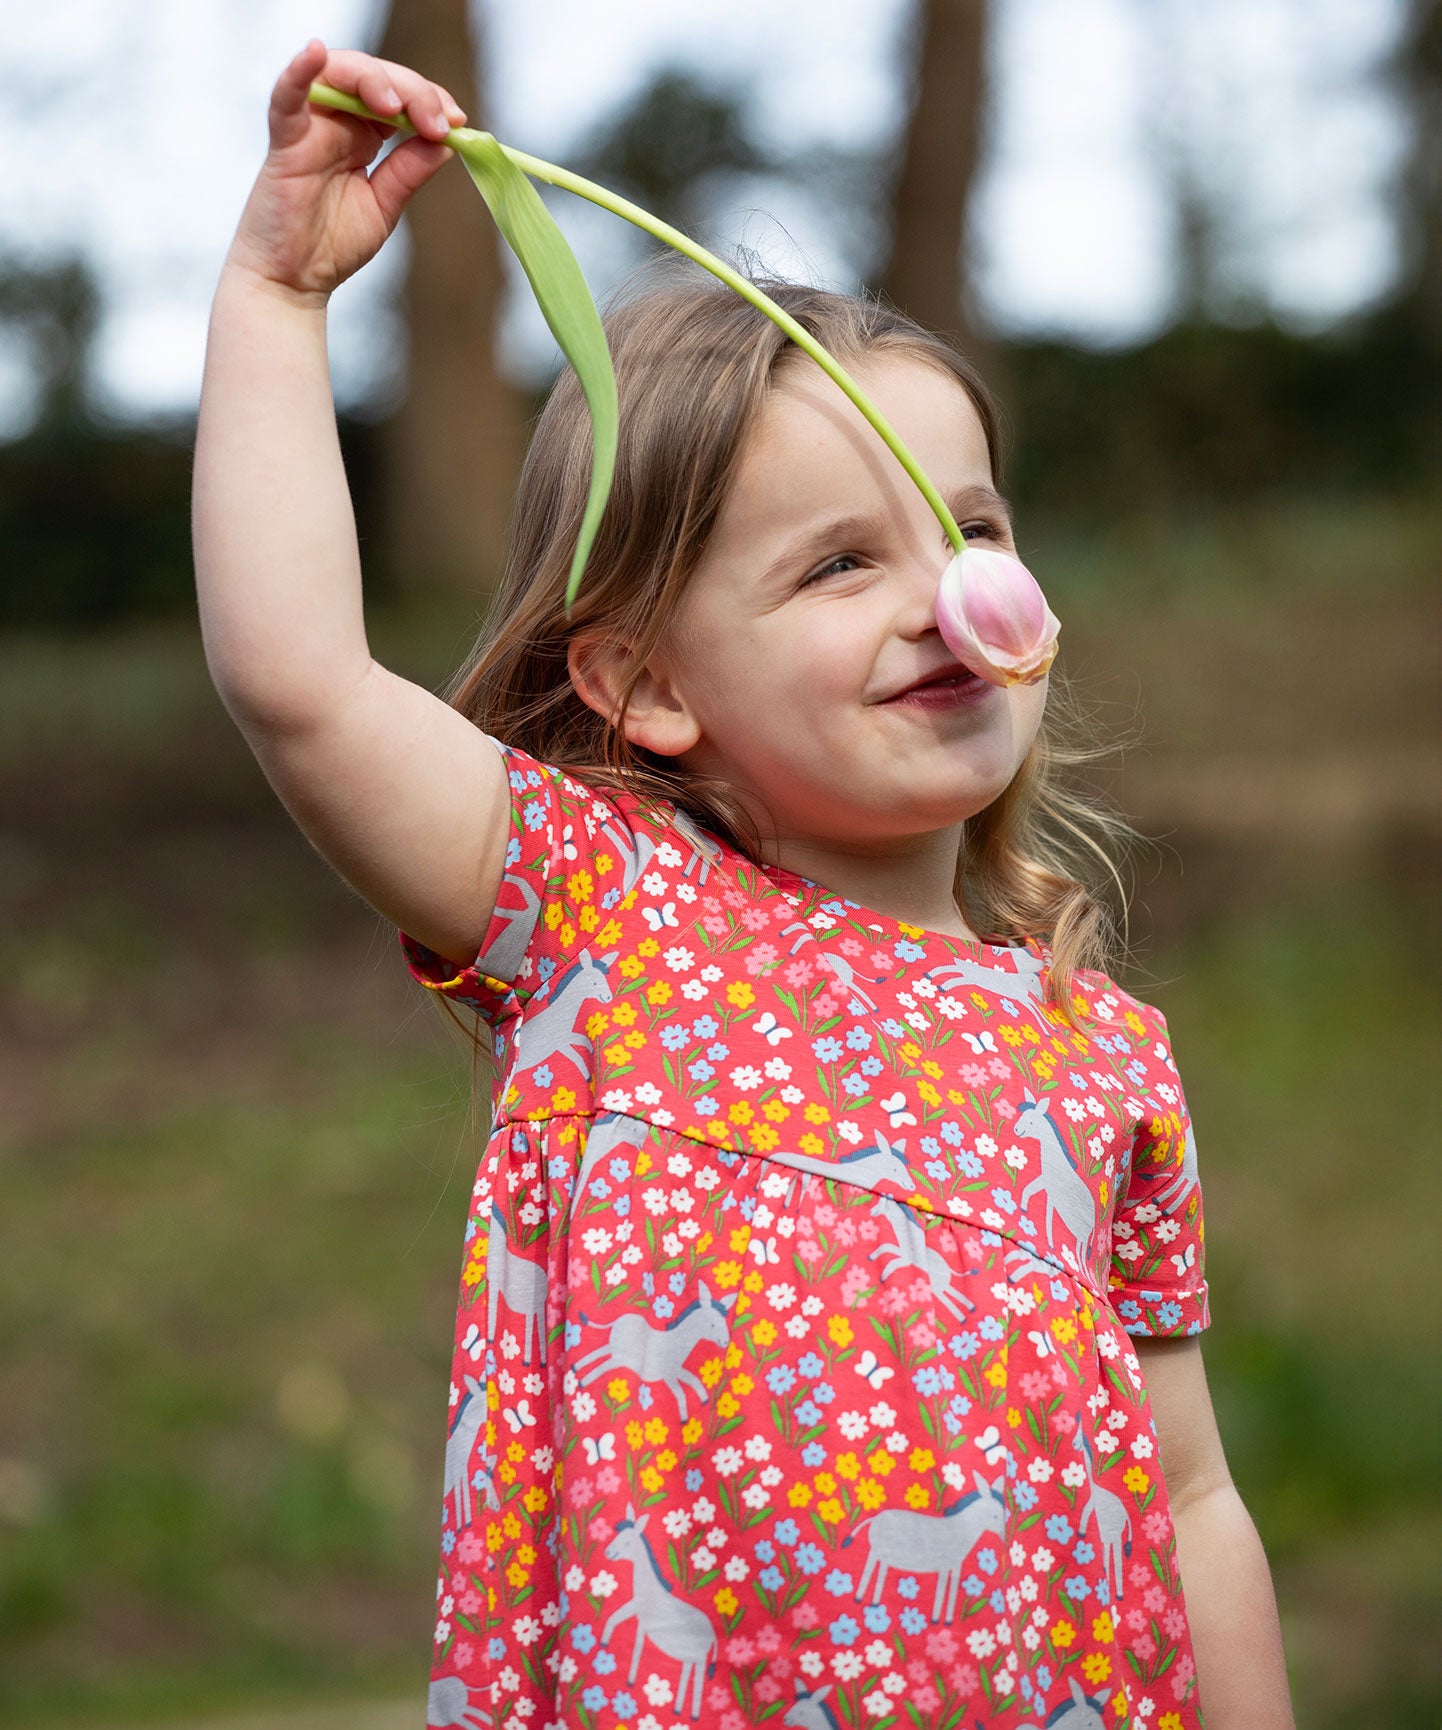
987, 529
826, 570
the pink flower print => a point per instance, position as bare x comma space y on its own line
1063, 1422
709, 904
754, 919
918, 1670
734, 898
806, 1615
965, 1679
869, 1230
973, 1074
761, 958
768, 1640
733, 1721
853, 1282
1183, 1670
1058, 1372
470, 1548
824, 1214
998, 1069
924, 1697
1034, 1386
1004, 1110
1175, 1624
1157, 1526
1139, 1575
845, 1233
469, 1601
768, 1688
1155, 1600
880, 961
460, 1581
826, 1005
740, 1650
1136, 1620
800, 974
714, 924
924, 1335
1145, 1648
893, 1300
582, 1492
462, 1653
849, 946
941, 1645
608, 1481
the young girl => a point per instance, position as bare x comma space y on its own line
826, 1350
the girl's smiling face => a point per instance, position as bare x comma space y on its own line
814, 604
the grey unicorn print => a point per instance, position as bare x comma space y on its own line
1067, 1192
679, 1629
837, 965
866, 1167
659, 1354
1019, 979
470, 1420
912, 1250
931, 1543
448, 1703
1113, 1522
554, 1029
503, 957
1183, 1180
609, 1133
1081, 1712
520, 1282
638, 850
810, 1711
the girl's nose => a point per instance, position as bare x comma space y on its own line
993, 616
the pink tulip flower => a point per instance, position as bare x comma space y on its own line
993, 617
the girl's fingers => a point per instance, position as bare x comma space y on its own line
398, 175
390, 89
288, 114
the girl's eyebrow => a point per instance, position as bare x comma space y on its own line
962, 502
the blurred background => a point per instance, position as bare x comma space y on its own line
1195, 245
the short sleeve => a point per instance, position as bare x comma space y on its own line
564, 872
1158, 1280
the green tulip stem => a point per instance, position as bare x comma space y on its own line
461, 138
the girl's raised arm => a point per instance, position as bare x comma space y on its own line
405, 797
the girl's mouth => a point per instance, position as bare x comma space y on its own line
959, 691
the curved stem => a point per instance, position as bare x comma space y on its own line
461, 136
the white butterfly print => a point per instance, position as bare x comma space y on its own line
773, 1030
474, 1343
979, 1042
895, 1109
873, 1370
599, 1448
521, 1416
991, 1444
656, 917
568, 845
1182, 1262
1042, 1342
763, 1252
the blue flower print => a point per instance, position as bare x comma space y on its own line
593, 1698
513, 851
1083, 1552
855, 1085
781, 1378
936, 1170
857, 1039
644, 1396
673, 1038
497, 1648
677, 1283
1025, 1497
648, 1282
662, 1306
970, 1164
1076, 1587
573, 1335
1103, 1592
545, 967
811, 1365
997, 1600
623, 1704
706, 1107
771, 1579
827, 1050
787, 1532
809, 1560
605, 1661
892, 1028
838, 1584
912, 1621
1168, 1315
973, 1585
965, 1346
808, 1413
1043, 1677
1004, 1200
1078, 1083
990, 1328
933, 1379
1129, 1310
765, 1550
823, 1393
533, 777
872, 1066
1059, 1291
584, 1637
907, 1586
813, 1454
718, 1053
1058, 1529
857, 1007
610, 898
929, 1144
700, 1070
448, 1542
986, 1561
694, 1479
951, 1133
622, 1206
517, 779
843, 1631
748, 1206
705, 1027
535, 814
877, 1618
908, 951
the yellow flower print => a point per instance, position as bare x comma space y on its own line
840, 1332
631, 967
617, 1388
740, 1111
624, 1014
648, 946
515, 1453
580, 886
831, 1511
776, 1111
734, 1354
956, 1096
978, 1000
825, 1484
848, 1467
740, 1239
928, 1093
563, 1099
1063, 1634
883, 1465
710, 1373
918, 1497
1096, 1667
799, 1496
615, 1054
812, 1144
659, 992
1103, 1628
476, 1267
870, 1494
934, 1070
996, 1375
634, 1435
1134, 1021
764, 1333
752, 1283
1013, 1417
725, 1601
526, 1555
506, 1472
636, 1038
513, 1097
590, 918
555, 913
666, 1461
511, 1526
910, 1051
692, 1429
816, 1112
1170, 1721
764, 1138
597, 1024
728, 1274
921, 1460
567, 935
743, 1385
517, 1575
1064, 1328
604, 864
495, 1537
655, 1429
728, 1406
534, 1499
610, 933
1136, 1480
740, 995
1013, 1036
651, 1480
643, 1163
911, 931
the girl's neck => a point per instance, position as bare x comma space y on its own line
915, 886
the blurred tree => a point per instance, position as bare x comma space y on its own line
1417, 75
55, 309
925, 273
451, 452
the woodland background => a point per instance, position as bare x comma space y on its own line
234, 1145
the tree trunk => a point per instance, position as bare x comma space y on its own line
451, 452
926, 275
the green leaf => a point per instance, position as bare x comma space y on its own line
566, 303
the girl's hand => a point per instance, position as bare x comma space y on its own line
315, 216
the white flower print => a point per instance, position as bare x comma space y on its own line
882, 1416
679, 960
745, 1079
778, 1069
950, 1008
728, 1461
852, 1426
850, 1132
703, 1558
694, 990
654, 883
648, 1093
602, 1586
924, 988
981, 1642
617, 1099
685, 891
792, 1095
758, 1448
1141, 1447
711, 974
914, 1018
847, 1666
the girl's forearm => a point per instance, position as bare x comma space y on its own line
276, 556
1232, 1611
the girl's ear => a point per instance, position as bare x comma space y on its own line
656, 717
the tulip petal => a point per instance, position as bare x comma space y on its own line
565, 302
994, 618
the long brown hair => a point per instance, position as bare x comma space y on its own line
694, 363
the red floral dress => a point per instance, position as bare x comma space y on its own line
792, 1379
